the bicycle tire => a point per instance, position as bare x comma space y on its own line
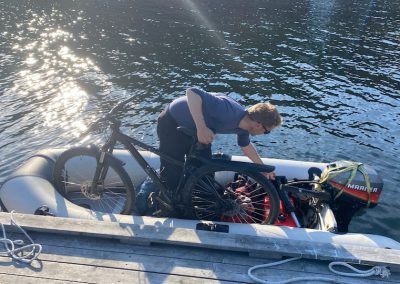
206, 199
73, 175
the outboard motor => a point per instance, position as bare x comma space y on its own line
353, 186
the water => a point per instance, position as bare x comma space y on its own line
331, 67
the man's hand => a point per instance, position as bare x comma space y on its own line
251, 152
205, 135
270, 175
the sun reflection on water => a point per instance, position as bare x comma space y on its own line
64, 110
51, 75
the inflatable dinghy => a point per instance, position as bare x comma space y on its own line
31, 186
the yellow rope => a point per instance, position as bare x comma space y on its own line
331, 173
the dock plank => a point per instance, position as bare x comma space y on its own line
82, 271
166, 265
178, 263
214, 240
180, 253
94, 254
61, 271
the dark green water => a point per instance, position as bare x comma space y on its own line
332, 67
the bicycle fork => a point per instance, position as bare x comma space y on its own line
100, 173
102, 166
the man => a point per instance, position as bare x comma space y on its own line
208, 114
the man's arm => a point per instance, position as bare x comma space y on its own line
252, 154
204, 134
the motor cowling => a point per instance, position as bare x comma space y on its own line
352, 181
352, 186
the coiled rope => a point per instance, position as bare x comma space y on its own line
382, 271
13, 251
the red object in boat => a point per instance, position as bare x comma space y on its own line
284, 218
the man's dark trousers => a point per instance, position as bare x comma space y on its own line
175, 144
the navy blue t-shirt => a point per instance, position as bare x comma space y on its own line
221, 113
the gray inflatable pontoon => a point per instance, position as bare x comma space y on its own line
31, 187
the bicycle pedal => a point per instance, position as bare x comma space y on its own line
157, 213
164, 204
163, 212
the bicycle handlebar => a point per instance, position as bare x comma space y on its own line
108, 116
119, 106
92, 127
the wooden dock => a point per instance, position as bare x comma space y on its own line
85, 251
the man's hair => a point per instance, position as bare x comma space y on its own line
266, 114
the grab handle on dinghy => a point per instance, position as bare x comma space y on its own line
43, 211
221, 228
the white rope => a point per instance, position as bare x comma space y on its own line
382, 271
377, 270
35, 249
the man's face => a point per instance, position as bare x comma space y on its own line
259, 129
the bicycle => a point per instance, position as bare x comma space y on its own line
206, 192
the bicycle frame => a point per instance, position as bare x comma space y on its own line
129, 143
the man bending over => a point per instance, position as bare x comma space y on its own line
202, 111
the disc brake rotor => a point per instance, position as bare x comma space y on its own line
85, 189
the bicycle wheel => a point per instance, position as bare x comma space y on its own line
73, 176
217, 194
